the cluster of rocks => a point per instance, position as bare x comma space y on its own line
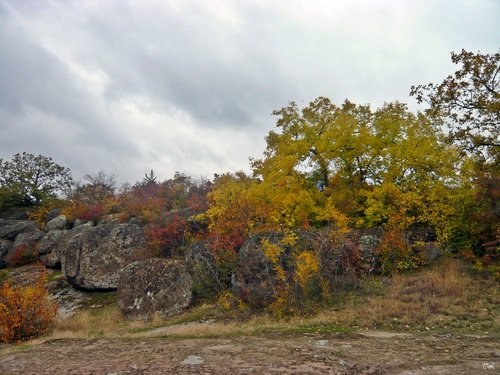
114, 256
104, 257
16, 233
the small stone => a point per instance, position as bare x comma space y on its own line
321, 343
193, 360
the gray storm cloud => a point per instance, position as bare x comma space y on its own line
190, 86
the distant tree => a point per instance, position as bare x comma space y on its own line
9, 198
149, 179
32, 178
469, 103
176, 190
97, 189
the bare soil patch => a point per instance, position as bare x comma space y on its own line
366, 353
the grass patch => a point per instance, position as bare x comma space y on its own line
54, 276
432, 298
23, 347
319, 328
105, 321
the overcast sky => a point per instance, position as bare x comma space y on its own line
129, 86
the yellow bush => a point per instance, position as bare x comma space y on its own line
227, 301
271, 251
307, 266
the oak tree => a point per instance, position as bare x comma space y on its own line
33, 178
468, 101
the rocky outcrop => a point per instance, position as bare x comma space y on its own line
111, 219
57, 223
15, 213
9, 229
14, 234
51, 247
28, 238
94, 258
154, 287
363, 244
202, 268
254, 280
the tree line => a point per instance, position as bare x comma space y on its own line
340, 165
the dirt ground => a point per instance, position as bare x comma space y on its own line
364, 353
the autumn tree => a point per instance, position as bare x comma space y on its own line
469, 103
329, 165
93, 198
366, 164
31, 179
98, 187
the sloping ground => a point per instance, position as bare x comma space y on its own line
367, 353
449, 316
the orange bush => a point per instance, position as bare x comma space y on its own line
25, 311
394, 252
83, 211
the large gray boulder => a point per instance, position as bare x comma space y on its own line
154, 287
94, 258
52, 246
57, 223
9, 229
28, 238
78, 223
52, 214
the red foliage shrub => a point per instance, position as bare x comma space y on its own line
91, 213
165, 238
22, 254
394, 252
197, 203
144, 202
223, 243
83, 211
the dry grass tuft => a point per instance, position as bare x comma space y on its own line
444, 297
107, 321
445, 279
